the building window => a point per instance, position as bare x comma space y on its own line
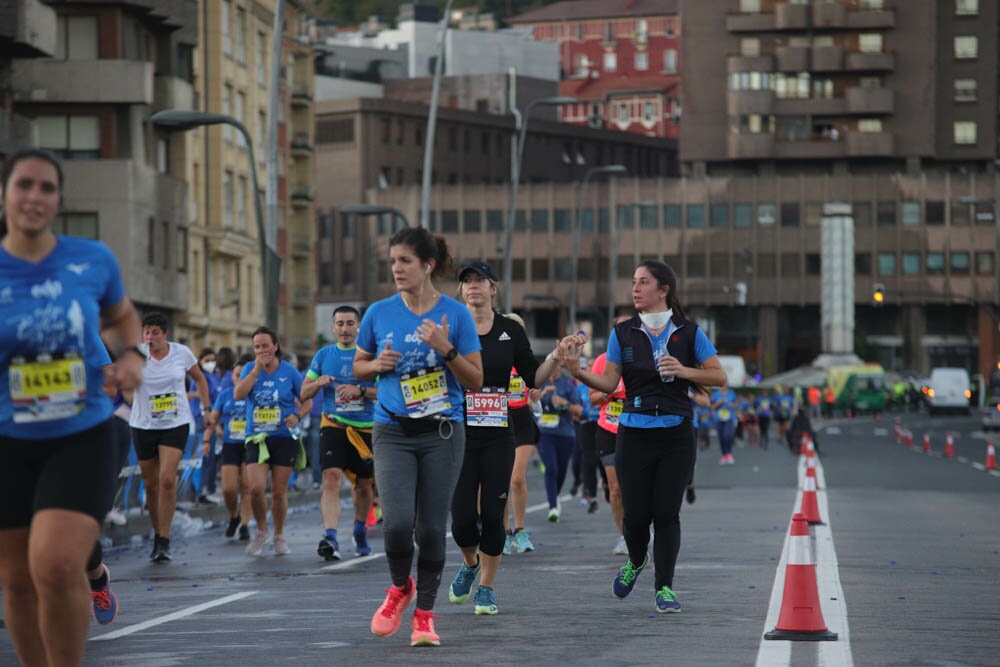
750, 6
935, 262
472, 221
886, 264
563, 267
767, 215
241, 203
966, 7
870, 125
911, 263
814, 214
648, 112
872, 4
182, 250
83, 225
494, 221
241, 101
562, 220
241, 40
672, 216
540, 268
790, 265
224, 20
227, 201
719, 215
911, 213
742, 215
696, 266
718, 264
750, 46
959, 262
862, 212
790, 215
885, 213
227, 109
695, 216
984, 263
166, 244
814, 265
261, 59
959, 214
964, 132
642, 60
151, 242
70, 137
540, 221
670, 61
641, 31
966, 46
862, 263
648, 218
965, 90
623, 116
934, 212
449, 222
76, 38
610, 62
870, 42
766, 265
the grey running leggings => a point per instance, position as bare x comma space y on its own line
416, 477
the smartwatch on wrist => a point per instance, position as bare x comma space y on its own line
451, 354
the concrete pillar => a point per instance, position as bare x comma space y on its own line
914, 326
767, 328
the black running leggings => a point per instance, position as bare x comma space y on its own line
653, 466
484, 483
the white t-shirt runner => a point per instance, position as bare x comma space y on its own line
161, 402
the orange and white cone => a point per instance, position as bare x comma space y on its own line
991, 456
897, 430
811, 472
909, 438
927, 443
949, 446
801, 618
810, 505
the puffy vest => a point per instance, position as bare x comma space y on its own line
645, 392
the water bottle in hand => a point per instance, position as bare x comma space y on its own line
661, 351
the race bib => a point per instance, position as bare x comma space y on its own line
515, 390
614, 411
549, 420
237, 429
163, 407
425, 392
47, 387
487, 407
724, 414
350, 404
266, 418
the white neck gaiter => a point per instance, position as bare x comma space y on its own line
656, 320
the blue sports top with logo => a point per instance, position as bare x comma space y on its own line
51, 353
272, 399
420, 385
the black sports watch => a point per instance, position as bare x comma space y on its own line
450, 356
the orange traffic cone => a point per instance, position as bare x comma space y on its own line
810, 506
949, 446
927, 443
909, 438
897, 430
372, 520
991, 456
801, 618
811, 472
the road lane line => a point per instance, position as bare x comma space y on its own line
831, 594
344, 564
183, 613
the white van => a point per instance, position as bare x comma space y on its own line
735, 368
949, 389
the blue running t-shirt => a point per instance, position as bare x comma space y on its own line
420, 368
232, 415
51, 353
338, 363
272, 399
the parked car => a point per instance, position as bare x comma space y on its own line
991, 412
949, 389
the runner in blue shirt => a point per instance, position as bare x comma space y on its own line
345, 433
58, 296
424, 348
725, 405
560, 407
273, 415
764, 406
230, 415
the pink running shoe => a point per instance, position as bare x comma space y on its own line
423, 629
390, 614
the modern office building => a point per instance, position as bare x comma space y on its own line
619, 58
113, 65
27, 30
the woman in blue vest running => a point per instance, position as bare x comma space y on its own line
659, 354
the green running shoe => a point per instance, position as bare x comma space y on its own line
486, 601
666, 601
461, 585
625, 580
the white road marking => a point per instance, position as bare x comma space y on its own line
183, 613
772, 653
345, 564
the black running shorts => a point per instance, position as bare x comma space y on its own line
336, 451
234, 453
282, 451
148, 440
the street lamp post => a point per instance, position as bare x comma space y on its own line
425, 189
270, 262
521, 129
370, 210
594, 171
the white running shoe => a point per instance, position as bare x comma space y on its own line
621, 549
260, 539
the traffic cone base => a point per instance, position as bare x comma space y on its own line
949, 446
810, 506
797, 636
991, 456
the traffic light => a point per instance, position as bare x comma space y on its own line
878, 294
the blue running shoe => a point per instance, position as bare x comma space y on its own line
361, 546
625, 580
486, 601
508, 543
461, 585
666, 601
522, 542
105, 601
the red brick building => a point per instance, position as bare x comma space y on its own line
619, 58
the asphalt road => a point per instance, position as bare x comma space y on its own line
908, 569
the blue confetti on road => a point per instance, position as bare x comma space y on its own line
892, 562
933, 571
901, 597
833, 598
751, 587
150, 588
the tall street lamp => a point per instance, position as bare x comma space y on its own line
270, 261
521, 127
370, 210
425, 188
594, 171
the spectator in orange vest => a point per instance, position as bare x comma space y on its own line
812, 395
828, 400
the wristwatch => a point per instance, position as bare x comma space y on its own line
450, 356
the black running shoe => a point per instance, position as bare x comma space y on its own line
156, 548
690, 495
244, 533
234, 523
163, 555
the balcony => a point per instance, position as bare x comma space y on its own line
869, 144
792, 58
302, 296
763, 63
231, 243
301, 245
864, 19
739, 22
791, 17
858, 61
83, 81
869, 100
302, 196
301, 146
30, 32
171, 92
302, 97
742, 102
829, 15
811, 149
750, 146
820, 106
827, 58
